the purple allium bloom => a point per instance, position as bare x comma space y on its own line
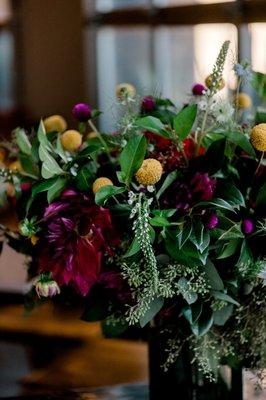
198, 89
147, 104
247, 226
82, 112
211, 221
77, 234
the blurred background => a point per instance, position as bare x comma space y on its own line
55, 53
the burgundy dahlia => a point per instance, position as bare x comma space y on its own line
198, 89
82, 112
77, 234
147, 104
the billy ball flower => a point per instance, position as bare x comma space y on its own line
258, 137
92, 135
71, 140
243, 100
210, 82
147, 104
247, 226
82, 112
101, 182
125, 90
55, 123
198, 89
150, 172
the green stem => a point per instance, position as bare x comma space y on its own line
260, 161
99, 135
236, 98
203, 126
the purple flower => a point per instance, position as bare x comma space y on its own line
203, 186
82, 112
77, 234
211, 221
247, 226
147, 104
198, 89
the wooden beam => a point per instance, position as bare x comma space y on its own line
232, 12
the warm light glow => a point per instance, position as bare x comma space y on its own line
258, 46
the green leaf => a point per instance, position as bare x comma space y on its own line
132, 157
154, 307
224, 297
56, 189
23, 141
240, 140
112, 330
184, 234
220, 203
29, 167
261, 198
214, 157
229, 249
59, 149
220, 317
159, 221
152, 124
184, 121
41, 134
42, 186
134, 248
185, 291
204, 323
171, 177
233, 195
234, 232
50, 167
192, 312
104, 193
212, 276
259, 83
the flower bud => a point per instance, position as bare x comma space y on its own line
198, 89
247, 226
71, 140
212, 221
46, 288
147, 104
82, 112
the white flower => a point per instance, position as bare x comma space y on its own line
222, 111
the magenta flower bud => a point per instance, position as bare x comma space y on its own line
198, 89
147, 104
247, 226
82, 112
212, 221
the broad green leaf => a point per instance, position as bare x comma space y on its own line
259, 83
233, 195
171, 177
192, 312
184, 121
104, 193
240, 140
152, 124
59, 149
234, 232
220, 317
229, 249
41, 134
134, 248
185, 291
212, 276
220, 203
22, 141
56, 189
132, 157
42, 186
225, 297
29, 167
261, 198
49, 166
159, 221
184, 233
204, 323
154, 307
215, 156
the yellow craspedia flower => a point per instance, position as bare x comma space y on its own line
92, 135
209, 82
101, 182
15, 166
71, 140
150, 172
34, 239
55, 123
243, 100
124, 90
258, 137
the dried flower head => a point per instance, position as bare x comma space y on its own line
243, 100
71, 140
258, 137
125, 91
55, 123
150, 172
101, 182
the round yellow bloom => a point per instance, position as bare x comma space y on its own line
243, 100
124, 90
15, 166
34, 239
92, 135
209, 82
101, 182
258, 137
150, 172
55, 123
71, 140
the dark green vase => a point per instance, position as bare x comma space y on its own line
181, 380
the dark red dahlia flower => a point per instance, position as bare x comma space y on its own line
77, 234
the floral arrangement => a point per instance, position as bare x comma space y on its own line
161, 222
